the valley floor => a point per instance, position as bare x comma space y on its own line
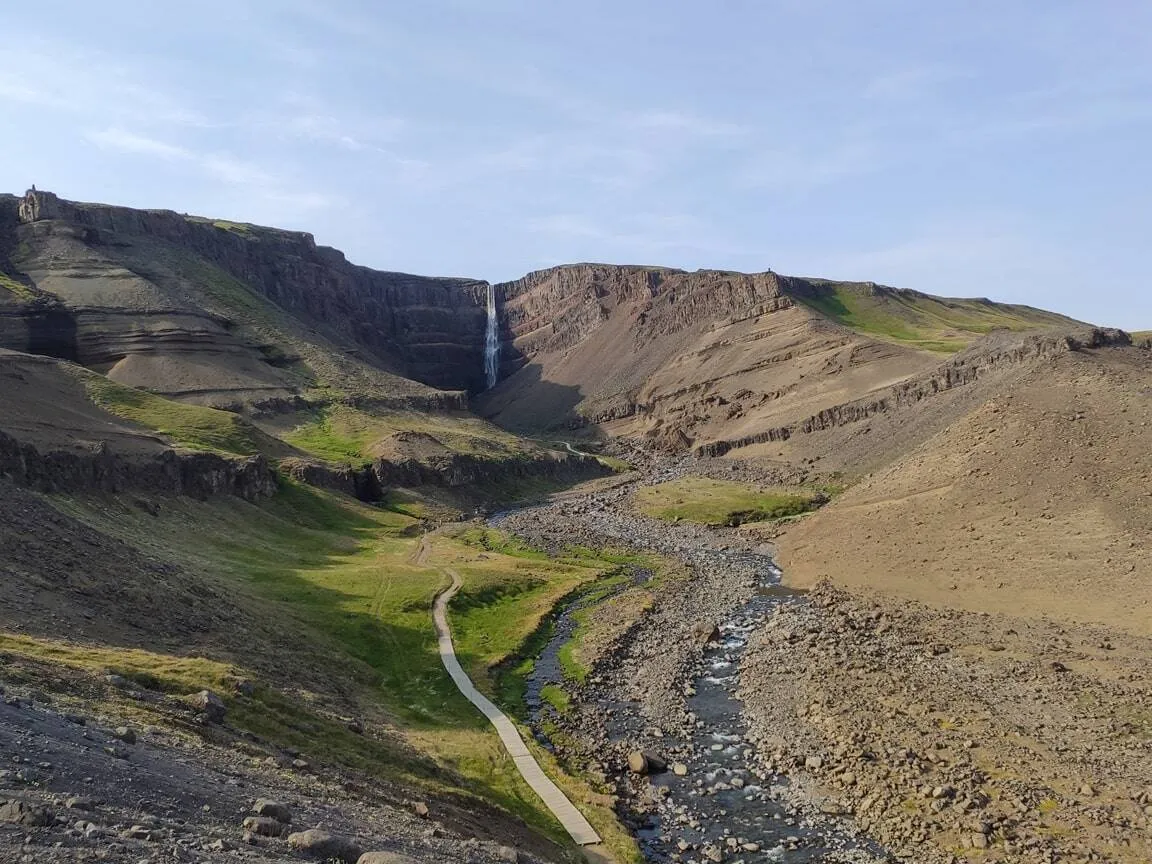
817, 726
941, 735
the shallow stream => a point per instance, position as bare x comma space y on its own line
722, 805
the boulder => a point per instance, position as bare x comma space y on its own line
210, 705
646, 763
319, 844
264, 826
19, 813
385, 858
704, 632
273, 809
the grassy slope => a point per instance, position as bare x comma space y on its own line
191, 426
720, 502
341, 433
919, 320
342, 574
16, 288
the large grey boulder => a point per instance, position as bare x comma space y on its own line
319, 844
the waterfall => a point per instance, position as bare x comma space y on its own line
492, 341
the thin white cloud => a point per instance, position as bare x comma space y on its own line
128, 142
222, 167
87, 83
684, 122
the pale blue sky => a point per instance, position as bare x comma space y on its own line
958, 147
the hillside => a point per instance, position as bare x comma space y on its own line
685, 359
236, 470
1034, 497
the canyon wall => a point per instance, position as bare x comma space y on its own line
428, 329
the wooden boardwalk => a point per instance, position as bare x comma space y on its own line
564, 810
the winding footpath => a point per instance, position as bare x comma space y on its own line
563, 809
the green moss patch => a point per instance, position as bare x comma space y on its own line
938, 324
722, 502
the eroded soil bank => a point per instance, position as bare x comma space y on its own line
835, 726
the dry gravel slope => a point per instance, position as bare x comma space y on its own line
1035, 502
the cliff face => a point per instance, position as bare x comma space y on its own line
195, 474
670, 355
552, 310
428, 329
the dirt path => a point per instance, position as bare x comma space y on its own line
563, 809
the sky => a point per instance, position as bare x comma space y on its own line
958, 147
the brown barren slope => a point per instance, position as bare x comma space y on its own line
1035, 503
689, 359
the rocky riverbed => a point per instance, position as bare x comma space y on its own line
659, 720
736, 723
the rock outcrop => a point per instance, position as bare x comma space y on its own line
428, 329
183, 473
1003, 351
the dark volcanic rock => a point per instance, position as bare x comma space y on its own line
195, 474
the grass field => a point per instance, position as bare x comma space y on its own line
339, 582
931, 323
341, 433
191, 426
721, 502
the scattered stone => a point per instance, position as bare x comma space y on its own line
20, 813
646, 763
273, 809
679, 769
385, 858
125, 734
265, 826
319, 844
421, 809
210, 705
704, 632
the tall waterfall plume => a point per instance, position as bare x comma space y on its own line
491, 341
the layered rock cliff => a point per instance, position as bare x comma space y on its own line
430, 330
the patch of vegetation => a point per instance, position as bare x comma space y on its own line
341, 433
16, 288
342, 573
938, 324
557, 697
241, 228
500, 542
192, 426
320, 438
613, 463
267, 713
722, 502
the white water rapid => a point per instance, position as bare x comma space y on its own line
491, 341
